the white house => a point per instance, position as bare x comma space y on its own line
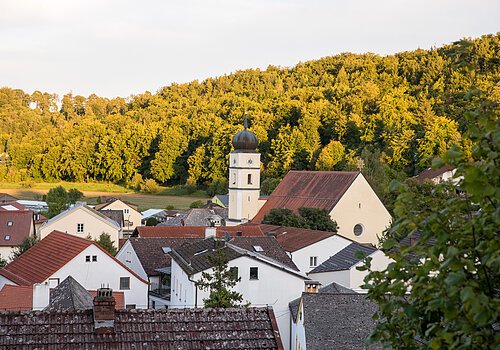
149, 258
60, 255
268, 276
82, 221
437, 176
341, 267
132, 218
307, 248
346, 196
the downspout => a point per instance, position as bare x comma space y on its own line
195, 292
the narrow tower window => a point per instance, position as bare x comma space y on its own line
249, 179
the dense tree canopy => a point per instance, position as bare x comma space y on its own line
309, 218
320, 114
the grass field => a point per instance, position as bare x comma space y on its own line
178, 197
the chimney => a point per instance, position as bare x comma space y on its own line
210, 231
104, 311
312, 286
41, 296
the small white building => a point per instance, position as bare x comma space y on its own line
341, 267
60, 255
131, 217
268, 276
82, 221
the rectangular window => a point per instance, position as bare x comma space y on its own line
9, 223
53, 282
87, 258
126, 211
94, 258
130, 306
234, 178
254, 273
313, 261
234, 272
79, 228
124, 283
249, 179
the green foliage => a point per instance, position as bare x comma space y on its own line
74, 195
197, 204
24, 246
330, 155
443, 292
105, 242
268, 185
152, 221
219, 282
57, 200
409, 107
3, 261
219, 185
150, 186
310, 218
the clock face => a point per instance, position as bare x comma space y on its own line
250, 161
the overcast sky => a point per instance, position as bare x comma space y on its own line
123, 47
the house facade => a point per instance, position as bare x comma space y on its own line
264, 281
60, 255
82, 221
131, 217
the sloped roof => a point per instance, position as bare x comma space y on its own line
223, 198
338, 321
195, 231
16, 298
194, 257
311, 189
429, 173
293, 238
150, 253
195, 329
196, 217
49, 255
344, 259
115, 215
70, 294
15, 226
5, 197
12, 206
111, 200
88, 209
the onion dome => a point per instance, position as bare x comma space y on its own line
245, 140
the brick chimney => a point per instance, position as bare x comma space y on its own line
104, 311
312, 286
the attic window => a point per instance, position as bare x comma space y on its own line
79, 228
9, 223
166, 250
7, 237
358, 230
258, 248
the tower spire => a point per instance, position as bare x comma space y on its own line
245, 122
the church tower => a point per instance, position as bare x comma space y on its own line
244, 178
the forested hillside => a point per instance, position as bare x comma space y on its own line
342, 112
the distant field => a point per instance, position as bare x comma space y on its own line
175, 196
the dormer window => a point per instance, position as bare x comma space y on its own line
9, 223
7, 237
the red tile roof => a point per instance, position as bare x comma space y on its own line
293, 238
195, 231
311, 189
48, 256
195, 329
16, 298
15, 227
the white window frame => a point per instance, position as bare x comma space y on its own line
78, 226
313, 261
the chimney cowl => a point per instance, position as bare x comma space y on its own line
312, 286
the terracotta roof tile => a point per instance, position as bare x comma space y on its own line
16, 298
293, 238
195, 231
48, 256
195, 329
310, 189
15, 227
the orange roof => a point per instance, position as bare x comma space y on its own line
293, 238
119, 298
19, 298
195, 231
310, 189
48, 256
